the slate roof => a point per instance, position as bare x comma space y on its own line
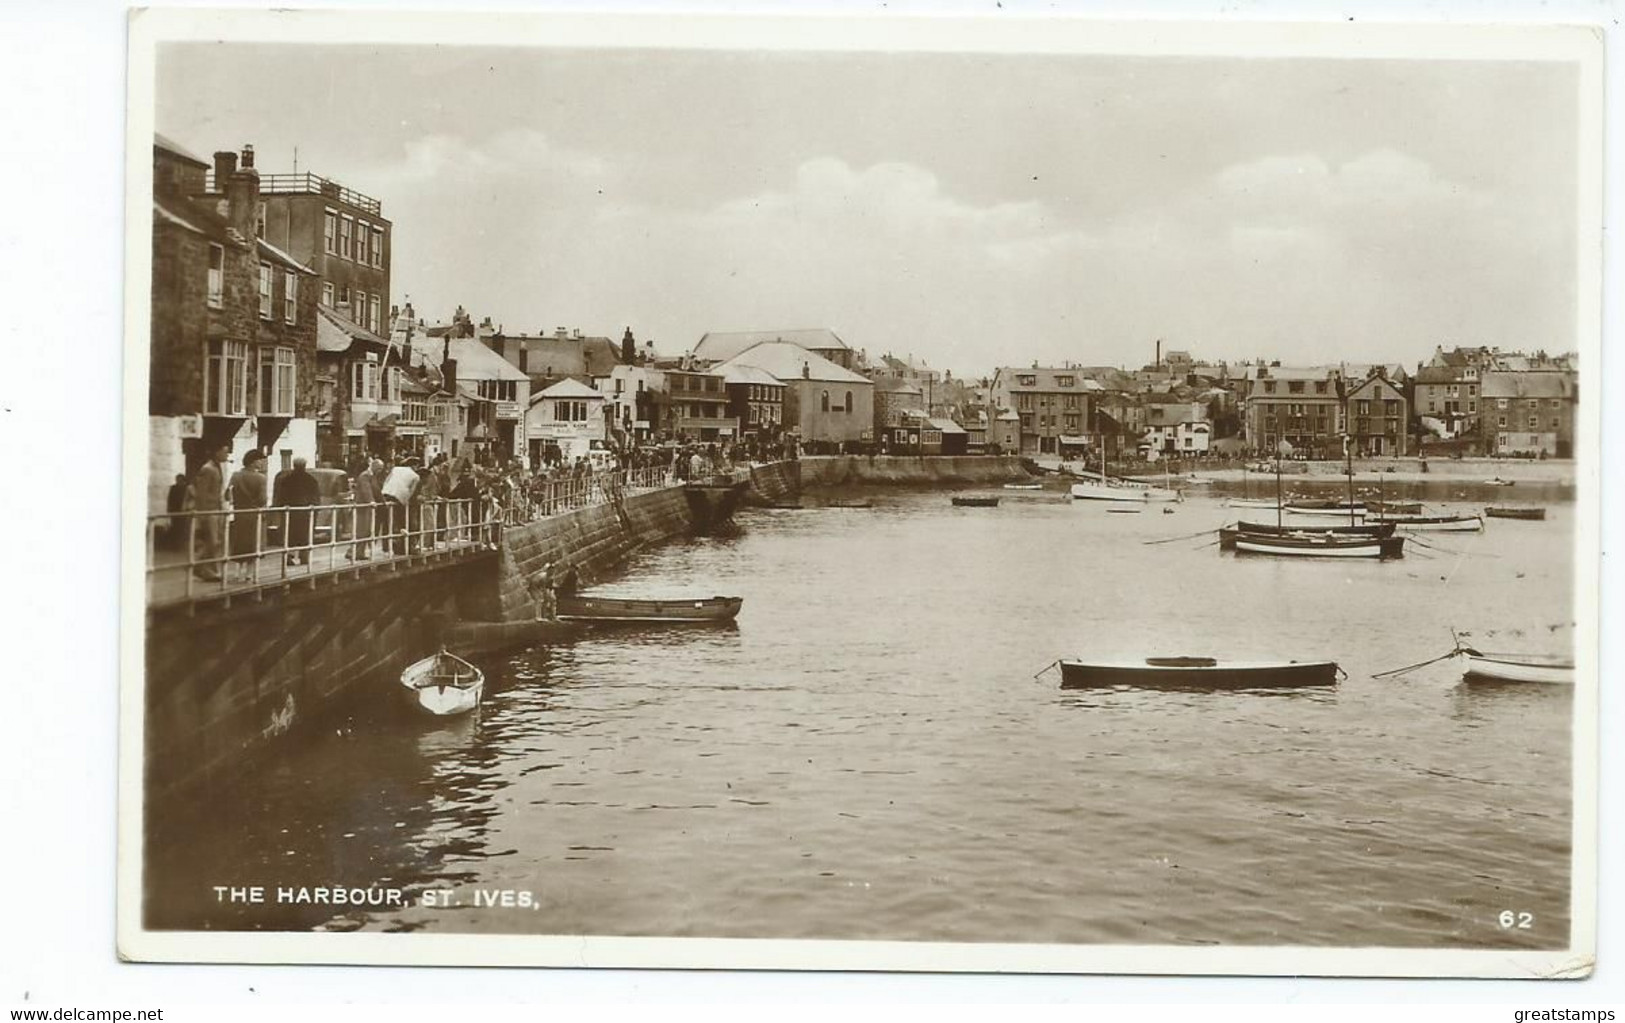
474, 360
720, 346
1526, 385
1045, 379
785, 361
735, 373
569, 387
160, 141
336, 333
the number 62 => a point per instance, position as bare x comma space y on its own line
1515, 921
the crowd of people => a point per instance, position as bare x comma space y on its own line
410, 505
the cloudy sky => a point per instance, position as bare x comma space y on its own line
969, 209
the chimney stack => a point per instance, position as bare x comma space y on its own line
242, 190
225, 165
629, 347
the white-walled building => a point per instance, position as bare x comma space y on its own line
569, 414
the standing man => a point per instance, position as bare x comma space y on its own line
297, 488
398, 489
178, 503
208, 496
367, 496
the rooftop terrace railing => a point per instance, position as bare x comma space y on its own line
311, 184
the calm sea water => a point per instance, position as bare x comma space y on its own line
868, 755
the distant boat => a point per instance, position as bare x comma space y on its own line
1499, 482
1531, 514
976, 502
1124, 511
1541, 668
444, 684
1197, 672
1251, 502
850, 504
1396, 507
1102, 490
1436, 523
703, 611
1024, 486
1320, 545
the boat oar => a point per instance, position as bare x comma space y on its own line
1046, 667
1176, 539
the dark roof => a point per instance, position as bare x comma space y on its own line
168, 145
1046, 378
600, 354
720, 346
1527, 385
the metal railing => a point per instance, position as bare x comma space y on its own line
198, 554
538, 499
313, 184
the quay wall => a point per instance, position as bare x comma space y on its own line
840, 470
774, 483
591, 540
224, 682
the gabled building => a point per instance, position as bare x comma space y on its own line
499, 395
1178, 427
233, 328
824, 404
564, 422
1300, 405
1378, 416
723, 346
1530, 413
359, 418
755, 400
1052, 405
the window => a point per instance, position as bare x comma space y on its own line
1363, 407
849, 402
1024, 401
361, 237
327, 294
290, 296
278, 374
1295, 386
378, 247
1534, 422
390, 385
225, 380
330, 233
217, 274
499, 390
824, 406
1070, 401
1066, 381
1472, 406
1557, 403
1554, 424
364, 381
265, 291
1390, 407
1026, 380
346, 229
1026, 420
414, 410
569, 411
1500, 403
1269, 387
1502, 422
1320, 387
259, 221
1072, 424
375, 314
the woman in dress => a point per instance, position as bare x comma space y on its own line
247, 492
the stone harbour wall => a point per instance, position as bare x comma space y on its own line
841, 470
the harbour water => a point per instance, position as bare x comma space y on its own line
867, 754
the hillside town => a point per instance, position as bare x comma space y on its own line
275, 329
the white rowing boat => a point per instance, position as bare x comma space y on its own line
1546, 669
444, 684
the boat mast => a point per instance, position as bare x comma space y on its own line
1348, 455
1278, 454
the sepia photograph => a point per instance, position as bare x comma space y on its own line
1032, 494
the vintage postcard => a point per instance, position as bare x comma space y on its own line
996, 494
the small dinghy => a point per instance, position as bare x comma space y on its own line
1197, 673
850, 504
705, 611
1545, 669
1335, 508
1396, 507
1435, 523
444, 684
1024, 486
1250, 502
1528, 514
976, 502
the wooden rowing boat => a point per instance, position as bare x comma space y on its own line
1435, 523
1228, 534
1545, 669
1343, 509
1320, 545
444, 684
1197, 672
1024, 486
704, 611
1529, 514
976, 502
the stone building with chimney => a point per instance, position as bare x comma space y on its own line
233, 323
